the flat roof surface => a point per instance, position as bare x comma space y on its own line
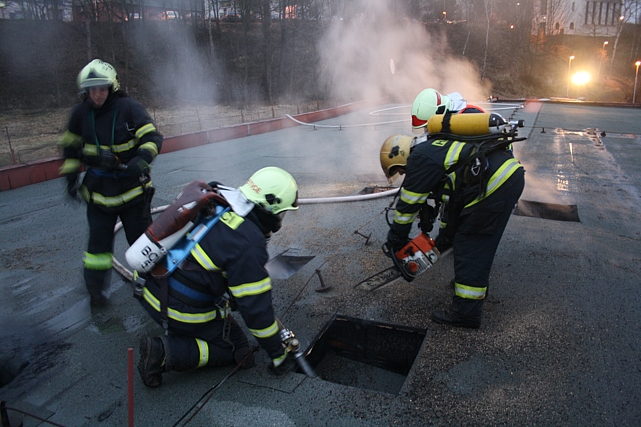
560, 342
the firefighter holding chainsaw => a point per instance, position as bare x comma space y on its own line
480, 188
217, 267
113, 137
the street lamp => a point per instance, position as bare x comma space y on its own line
601, 61
636, 75
580, 79
569, 69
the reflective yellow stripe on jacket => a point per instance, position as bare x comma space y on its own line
404, 218
151, 147
254, 288
453, 154
203, 259
144, 130
111, 201
411, 198
121, 148
499, 177
70, 139
70, 166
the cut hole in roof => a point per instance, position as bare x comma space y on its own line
365, 354
547, 211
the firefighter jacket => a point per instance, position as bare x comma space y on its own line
115, 143
443, 169
229, 259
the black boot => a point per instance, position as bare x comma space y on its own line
97, 281
244, 357
463, 313
152, 361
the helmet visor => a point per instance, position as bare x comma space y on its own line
93, 82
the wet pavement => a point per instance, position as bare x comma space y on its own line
560, 342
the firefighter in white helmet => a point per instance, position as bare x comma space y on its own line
479, 191
114, 139
430, 102
225, 269
427, 103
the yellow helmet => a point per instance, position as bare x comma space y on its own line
394, 154
272, 188
426, 104
98, 73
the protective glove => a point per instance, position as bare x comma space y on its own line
109, 161
427, 215
137, 166
105, 159
284, 366
396, 242
73, 183
443, 242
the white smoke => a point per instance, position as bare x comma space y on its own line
181, 71
356, 57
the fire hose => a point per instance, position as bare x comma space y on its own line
128, 275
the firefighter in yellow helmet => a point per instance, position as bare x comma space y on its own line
479, 191
225, 269
113, 139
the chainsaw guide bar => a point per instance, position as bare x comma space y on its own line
379, 279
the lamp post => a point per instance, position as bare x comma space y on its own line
636, 75
569, 70
598, 74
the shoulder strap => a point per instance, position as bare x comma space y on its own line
181, 250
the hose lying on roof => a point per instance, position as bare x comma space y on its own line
128, 275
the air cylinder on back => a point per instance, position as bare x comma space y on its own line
468, 124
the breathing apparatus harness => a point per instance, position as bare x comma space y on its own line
474, 165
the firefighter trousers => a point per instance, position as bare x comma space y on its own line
195, 345
477, 239
135, 219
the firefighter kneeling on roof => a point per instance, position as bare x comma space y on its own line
479, 190
214, 266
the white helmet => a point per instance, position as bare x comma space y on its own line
272, 188
426, 104
98, 73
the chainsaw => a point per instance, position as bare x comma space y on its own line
413, 259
